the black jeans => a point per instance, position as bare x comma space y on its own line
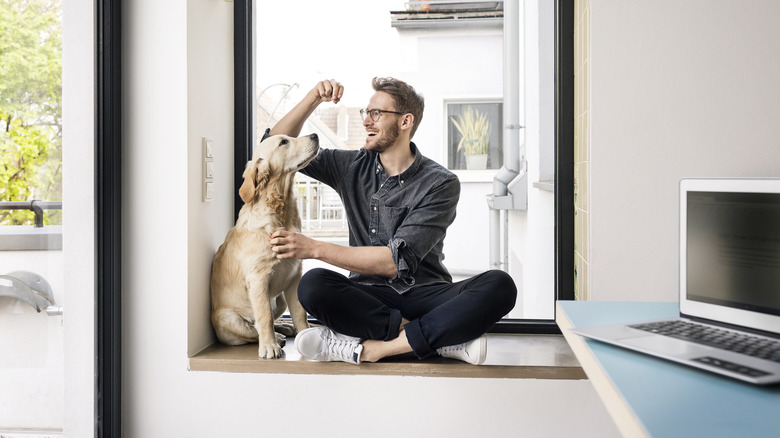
439, 315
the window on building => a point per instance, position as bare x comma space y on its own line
474, 135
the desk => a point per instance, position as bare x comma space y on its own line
652, 397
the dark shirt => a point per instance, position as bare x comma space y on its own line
409, 213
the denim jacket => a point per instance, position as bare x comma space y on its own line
409, 213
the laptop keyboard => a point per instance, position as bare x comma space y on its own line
750, 345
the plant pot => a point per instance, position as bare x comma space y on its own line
476, 162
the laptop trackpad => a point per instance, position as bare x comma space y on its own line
664, 345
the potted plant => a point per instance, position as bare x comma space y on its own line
475, 130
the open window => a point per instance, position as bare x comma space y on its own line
454, 56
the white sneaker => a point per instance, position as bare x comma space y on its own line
473, 352
325, 345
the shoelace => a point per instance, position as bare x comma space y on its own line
452, 348
341, 348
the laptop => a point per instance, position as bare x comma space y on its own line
729, 313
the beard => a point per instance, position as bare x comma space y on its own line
384, 140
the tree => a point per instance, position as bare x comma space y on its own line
30, 105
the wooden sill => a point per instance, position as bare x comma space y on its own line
509, 356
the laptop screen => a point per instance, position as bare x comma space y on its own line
734, 250
730, 251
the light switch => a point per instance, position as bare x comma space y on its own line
209, 194
208, 169
208, 148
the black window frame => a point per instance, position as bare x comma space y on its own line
244, 137
108, 211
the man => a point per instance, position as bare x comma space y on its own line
399, 297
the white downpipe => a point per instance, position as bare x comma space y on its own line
511, 130
495, 238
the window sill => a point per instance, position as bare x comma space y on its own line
475, 176
509, 356
545, 185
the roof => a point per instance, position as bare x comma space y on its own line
430, 14
325, 123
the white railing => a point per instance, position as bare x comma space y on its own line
320, 207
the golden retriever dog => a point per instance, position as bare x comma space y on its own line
250, 288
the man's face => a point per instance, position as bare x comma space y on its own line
383, 133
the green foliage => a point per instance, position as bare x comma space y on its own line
30, 105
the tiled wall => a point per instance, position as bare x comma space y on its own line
581, 148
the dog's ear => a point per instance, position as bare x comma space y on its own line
255, 178
247, 190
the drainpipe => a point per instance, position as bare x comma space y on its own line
510, 183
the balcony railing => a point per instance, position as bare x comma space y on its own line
320, 207
34, 206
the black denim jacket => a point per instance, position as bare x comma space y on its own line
409, 212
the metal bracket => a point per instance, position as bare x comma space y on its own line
517, 194
30, 288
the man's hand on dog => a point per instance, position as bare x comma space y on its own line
287, 244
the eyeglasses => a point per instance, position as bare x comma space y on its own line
375, 113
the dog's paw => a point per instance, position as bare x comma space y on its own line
281, 339
270, 351
285, 328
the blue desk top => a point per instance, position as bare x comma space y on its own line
673, 400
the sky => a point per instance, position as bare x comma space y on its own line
347, 40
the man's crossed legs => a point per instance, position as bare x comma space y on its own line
367, 323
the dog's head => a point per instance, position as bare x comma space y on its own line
274, 158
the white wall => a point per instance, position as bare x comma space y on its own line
472, 68
209, 114
79, 222
177, 64
448, 65
532, 231
678, 89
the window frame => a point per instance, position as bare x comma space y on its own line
108, 209
244, 137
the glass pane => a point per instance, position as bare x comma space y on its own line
454, 57
32, 375
31, 108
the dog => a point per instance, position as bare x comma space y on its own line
250, 288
